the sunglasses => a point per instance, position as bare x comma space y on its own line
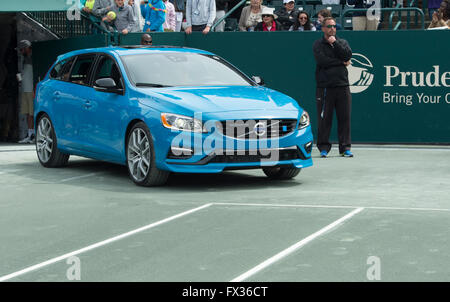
303, 18
330, 26
147, 42
266, 16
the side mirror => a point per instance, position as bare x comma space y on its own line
107, 85
258, 80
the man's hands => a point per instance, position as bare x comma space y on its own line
346, 63
331, 39
188, 30
125, 31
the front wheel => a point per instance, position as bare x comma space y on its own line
141, 158
46, 146
281, 173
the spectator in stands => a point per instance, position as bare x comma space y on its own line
433, 5
200, 15
146, 39
302, 23
136, 12
108, 21
268, 21
87, 5
123, 21
251, 15
321, 15
287, 14
101, 8
360, 20
154, 13
441, 16
169, 24
221, 8
180, 9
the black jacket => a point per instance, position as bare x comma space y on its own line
286, 18
330, 69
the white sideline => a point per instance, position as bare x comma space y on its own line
81, 176
325, 206
101, 243
294, 247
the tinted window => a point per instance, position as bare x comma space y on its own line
182, 69
80, 70
62, 69
107, 68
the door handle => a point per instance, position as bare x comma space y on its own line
87, 104
57, 95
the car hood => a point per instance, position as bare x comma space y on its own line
221, 99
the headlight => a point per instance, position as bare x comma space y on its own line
304, 120
181, 122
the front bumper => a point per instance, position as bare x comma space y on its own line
214, 152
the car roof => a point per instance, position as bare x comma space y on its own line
133, 50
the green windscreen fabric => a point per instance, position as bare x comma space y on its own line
37, 5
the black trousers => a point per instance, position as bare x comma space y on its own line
198, 27
328, 100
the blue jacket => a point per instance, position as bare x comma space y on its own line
154, 19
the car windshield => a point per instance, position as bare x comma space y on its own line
181, 69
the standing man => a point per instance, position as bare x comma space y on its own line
200, 15
26, 79
332, 57
124, 21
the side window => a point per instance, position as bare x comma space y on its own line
80, 70
107, 68
62, 69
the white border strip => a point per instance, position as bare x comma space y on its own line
325, 206
81, 176
294, 247
101, 243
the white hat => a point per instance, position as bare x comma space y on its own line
287, 1
23, 44
268, 11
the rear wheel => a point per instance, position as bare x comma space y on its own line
141, 158
46, 145
281, 173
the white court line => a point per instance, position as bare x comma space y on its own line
101, 243
325, 206
294, 247
81, 176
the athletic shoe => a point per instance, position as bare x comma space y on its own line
323, 154
26, 140
32, 139
347, 153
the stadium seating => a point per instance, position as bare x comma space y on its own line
335, 9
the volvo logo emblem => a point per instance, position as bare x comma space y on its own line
260, 129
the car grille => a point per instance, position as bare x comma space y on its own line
257, 129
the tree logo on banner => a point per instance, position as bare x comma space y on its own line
360, 73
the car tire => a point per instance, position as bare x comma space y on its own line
47, 146
141, 158
281, 173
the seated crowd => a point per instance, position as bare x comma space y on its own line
127, 16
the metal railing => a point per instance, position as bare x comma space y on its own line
58, 23
227, 14
387, 9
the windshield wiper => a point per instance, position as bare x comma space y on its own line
151, 85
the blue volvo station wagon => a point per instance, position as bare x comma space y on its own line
165, 109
